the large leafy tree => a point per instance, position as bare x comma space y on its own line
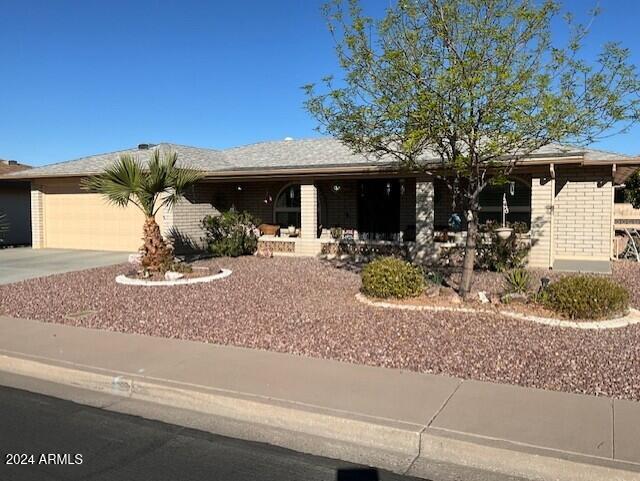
632, 190
476, 85
149, 187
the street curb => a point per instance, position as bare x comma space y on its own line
376, 433
419, 446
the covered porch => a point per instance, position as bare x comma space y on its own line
389, 215
564, 212
311, 216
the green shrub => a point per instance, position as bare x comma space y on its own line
586, 297
499, 255
387, 277
231, 234
518, 281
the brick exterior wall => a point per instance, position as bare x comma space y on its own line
37, 217
571, 216
583, 213
309, 211
424, 215
211, 199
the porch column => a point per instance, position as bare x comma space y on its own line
542, 199
308, 210
37, 216
425, 246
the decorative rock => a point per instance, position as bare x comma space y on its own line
433, 291
455, 299
264, 252
135, 259
514, 298
173, 276
483, 297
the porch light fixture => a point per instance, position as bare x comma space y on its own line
512, 188
239, 188
401, 181
267, 198
336, 188
388, 189
292, 193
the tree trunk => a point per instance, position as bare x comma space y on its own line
156, 254
469, 256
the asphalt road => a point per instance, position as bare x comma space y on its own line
104, 445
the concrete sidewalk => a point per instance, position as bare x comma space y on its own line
393, 419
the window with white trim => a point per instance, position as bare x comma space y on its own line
286, 210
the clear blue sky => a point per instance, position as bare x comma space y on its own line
90, 76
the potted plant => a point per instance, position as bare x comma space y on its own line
336, 233
504, 232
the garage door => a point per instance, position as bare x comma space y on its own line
74, 219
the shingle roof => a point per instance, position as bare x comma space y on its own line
202, 159
304, 153
7, 167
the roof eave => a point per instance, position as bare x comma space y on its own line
342, 169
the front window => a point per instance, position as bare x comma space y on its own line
518, 195
287, 207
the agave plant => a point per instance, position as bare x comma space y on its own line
517, 281
159, 184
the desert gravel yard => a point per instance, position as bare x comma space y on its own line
306, 307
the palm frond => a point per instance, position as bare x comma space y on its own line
121, 183
129, 181
181, 181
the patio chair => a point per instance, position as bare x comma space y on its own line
631, 250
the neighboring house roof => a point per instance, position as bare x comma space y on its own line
308, 155
11, 166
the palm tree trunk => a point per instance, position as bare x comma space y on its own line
156, 254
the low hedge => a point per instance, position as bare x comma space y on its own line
586, 297
389, 277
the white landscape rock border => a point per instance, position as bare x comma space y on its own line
633, 317
128, 281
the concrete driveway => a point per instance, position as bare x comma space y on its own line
22, 263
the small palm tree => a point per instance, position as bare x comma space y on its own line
160, 184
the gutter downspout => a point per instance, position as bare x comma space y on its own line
612, 233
